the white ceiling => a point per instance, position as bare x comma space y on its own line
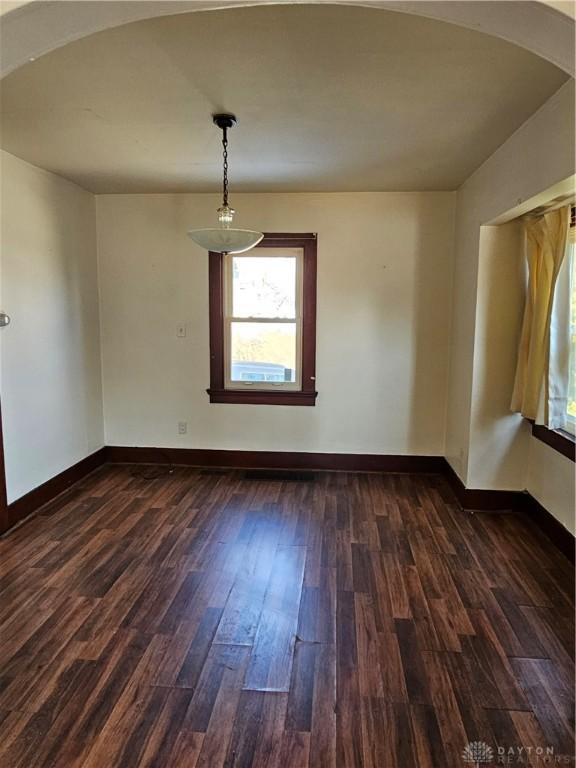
328, 98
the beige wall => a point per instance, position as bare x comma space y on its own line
384, 294
499, 449
537, 156
50, 353
551, 481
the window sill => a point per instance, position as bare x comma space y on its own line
262, 397
562, 442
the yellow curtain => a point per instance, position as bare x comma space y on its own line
546, 238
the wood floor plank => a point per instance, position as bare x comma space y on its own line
222, 662
133, 713
161, 741
394, 575
349, 725
448, 715
212, 618
428, 744
317, 615
268, 749
386, 734
490, 653
551, 698
323, 734
367, 642
186, 751
244, 737
301, 691
224, 708
415, 676
257, 541
270, 664
296, 751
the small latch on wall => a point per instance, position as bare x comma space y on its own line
4, 319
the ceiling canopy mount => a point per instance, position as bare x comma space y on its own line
224, 120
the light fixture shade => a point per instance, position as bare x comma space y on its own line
223, 240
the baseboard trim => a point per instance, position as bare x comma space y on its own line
348, 462
549, 525
476, 499
522, 502
38, 497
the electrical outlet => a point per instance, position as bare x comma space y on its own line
181, 330
182, 427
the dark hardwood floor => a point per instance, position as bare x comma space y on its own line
246, 619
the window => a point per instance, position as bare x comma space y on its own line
263, 323
561, 434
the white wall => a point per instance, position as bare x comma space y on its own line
384, 295
537, 156
551, 482
50, 379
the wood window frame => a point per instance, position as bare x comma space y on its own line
307, 394
560, 441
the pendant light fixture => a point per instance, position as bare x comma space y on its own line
224, 239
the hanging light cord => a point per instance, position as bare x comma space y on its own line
225, 155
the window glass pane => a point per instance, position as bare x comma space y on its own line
264, 286
263, 352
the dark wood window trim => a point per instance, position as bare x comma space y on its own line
307, 395
561, 441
